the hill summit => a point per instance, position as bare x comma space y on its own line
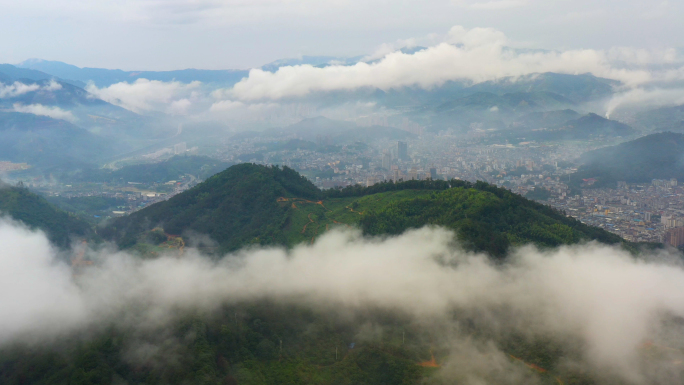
250, 204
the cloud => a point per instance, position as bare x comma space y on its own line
644, 98
147, 95
39, 109
474, 55
16, 89
179, 107
52, 86
601, 298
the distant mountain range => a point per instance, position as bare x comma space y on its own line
105, 77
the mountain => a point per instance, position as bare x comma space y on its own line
72, 122
545, 119
35, 212
662, 119
578, 88
105, 77
9, 73
590, 126
250, 204
84, 107
236, 207
316, 61
509, 102
656, 156
49, 143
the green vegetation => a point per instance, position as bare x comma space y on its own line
486, 218
34, 211
236, 207
258, 343
250, 204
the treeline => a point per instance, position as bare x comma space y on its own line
387, 186
486, 218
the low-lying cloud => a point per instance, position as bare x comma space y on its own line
601, 297
145, 95
39, 109
18, 88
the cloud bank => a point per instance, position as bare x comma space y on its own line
599, 297
471, 55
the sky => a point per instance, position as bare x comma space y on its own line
239, 34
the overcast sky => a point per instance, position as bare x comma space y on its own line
223, 34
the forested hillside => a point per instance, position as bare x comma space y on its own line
656, 156
34, 211
249, 204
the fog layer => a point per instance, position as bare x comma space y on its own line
602, 298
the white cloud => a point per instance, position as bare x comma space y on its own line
474, 55
147, 95
226, 105
39, 109
644, 98
16, 89
599, 297
179, 107
52, 86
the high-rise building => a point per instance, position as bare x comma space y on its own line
675, 237
433, 173
647, 216
402, 151
386, 160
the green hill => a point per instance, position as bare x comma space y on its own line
37, 213
235, 207
656, 156
250, 204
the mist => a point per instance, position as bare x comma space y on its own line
601, 302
